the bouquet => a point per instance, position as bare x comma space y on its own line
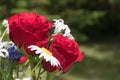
36, 49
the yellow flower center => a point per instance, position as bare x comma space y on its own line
10, 43
47, 51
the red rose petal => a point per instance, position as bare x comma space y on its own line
23, 59
66, 51
29, 29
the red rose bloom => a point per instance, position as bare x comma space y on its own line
66, 51
29, 29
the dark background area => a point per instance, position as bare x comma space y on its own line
88, 19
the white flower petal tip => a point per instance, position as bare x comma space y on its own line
3, 53
58, 21
5, 45
5, 23
17, 79
46, 54
28, 78
59, 26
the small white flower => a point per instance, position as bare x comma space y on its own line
5, 45
59, 26
28, 78
3, 48
67, 32
5, 23
3, 53
46, 54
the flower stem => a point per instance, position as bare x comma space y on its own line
42, 72
32, 73
3, 75
33, 68
17, 71
3, 34
36, 66
38, 75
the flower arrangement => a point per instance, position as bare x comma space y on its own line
35, 47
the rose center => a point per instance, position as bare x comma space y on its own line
47, 51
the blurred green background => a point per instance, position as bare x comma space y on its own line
95, 25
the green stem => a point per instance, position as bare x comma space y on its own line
3, 34
42, 72
10, 75
38, 75
32, 64
17, 71
33, 67
3, 75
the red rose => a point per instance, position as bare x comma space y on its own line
66, 51
29, 29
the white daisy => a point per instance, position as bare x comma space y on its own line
46, 54
5, 23
59, 26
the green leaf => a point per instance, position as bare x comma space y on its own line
3, 75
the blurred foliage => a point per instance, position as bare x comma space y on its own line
87, 18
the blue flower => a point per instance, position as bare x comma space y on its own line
14, 54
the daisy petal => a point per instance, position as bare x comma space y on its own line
46, 54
